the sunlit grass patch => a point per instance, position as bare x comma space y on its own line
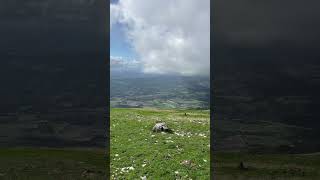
138, 152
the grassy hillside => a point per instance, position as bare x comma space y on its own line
261, 137
137, 152
269, 150
266, 166
71, 127
52, 164
275, 99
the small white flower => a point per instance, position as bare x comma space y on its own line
116, 155
143, 165
126, 169
176, 172
205, 160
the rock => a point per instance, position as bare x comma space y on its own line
242, 166
186, 162
160, 127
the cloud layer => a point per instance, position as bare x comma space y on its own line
121, 64
170, 36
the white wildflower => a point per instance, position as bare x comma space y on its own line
126, 169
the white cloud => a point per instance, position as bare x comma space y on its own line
170, 36
114, 14
120, 63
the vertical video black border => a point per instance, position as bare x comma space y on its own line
211, 108
107, 58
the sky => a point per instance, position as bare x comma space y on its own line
119, 45
162, 36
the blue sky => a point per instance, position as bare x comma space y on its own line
119, 45
113, 1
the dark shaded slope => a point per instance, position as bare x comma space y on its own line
52, 60
278, 84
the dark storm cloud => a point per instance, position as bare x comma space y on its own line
242, 23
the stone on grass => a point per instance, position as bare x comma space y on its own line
242, 166
186, 162
160, 127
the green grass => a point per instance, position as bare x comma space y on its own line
52, 164
136, 151
266, 166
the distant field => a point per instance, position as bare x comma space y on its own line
52, 164
137, 152
161, 92
266, 167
